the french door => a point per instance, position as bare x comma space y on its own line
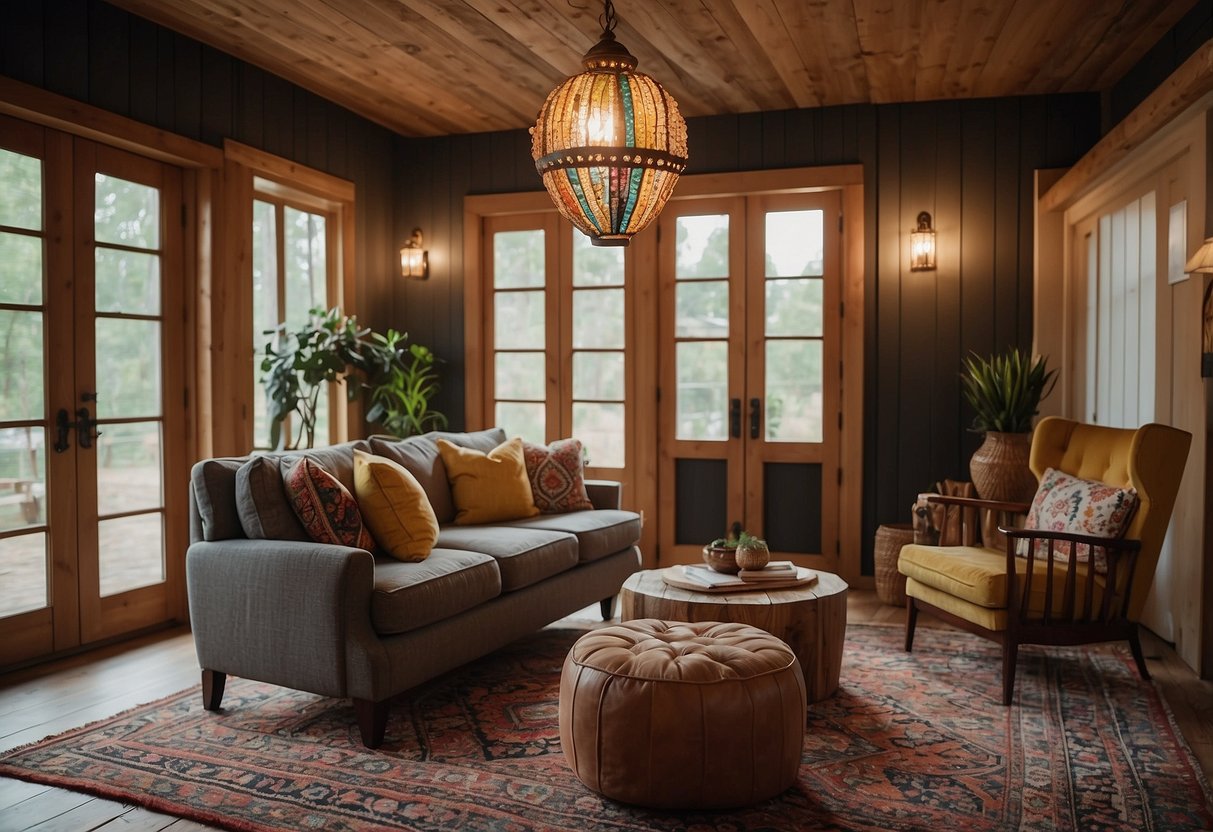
750, 334
92, 493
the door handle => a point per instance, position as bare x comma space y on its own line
735, 418
85, 428
63, 430
755, 413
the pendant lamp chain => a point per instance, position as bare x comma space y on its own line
609, 143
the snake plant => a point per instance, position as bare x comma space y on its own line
1005, 390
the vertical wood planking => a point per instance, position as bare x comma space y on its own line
108, 58
968, 162
65, 45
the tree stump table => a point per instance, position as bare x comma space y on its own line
811, 619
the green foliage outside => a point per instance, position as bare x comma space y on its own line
328, 347
1005, 390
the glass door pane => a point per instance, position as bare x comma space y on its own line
127, 330
598, 342
520, 332
24, 574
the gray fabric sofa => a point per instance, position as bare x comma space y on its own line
343, 622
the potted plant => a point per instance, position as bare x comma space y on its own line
405, 380
1005, 392
329, 347
752, 552
721, 555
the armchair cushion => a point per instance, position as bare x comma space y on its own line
977, 577
412, 595
1068, 504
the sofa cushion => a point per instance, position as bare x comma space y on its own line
265, 512
411, 595
488, 487
555, 472
419, 456
599, 533
326, 509
214, 484
394, 506
524, 556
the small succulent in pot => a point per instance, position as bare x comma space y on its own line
721, 555
752, 552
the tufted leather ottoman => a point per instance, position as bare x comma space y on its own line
683, 716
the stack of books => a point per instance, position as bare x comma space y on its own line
776, 570
780, 572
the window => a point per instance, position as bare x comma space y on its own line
291, 275
294, 253
557, 358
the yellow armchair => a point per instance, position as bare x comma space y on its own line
1044, 596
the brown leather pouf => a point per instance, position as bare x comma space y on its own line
683, 716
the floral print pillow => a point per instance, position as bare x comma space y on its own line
1067, 504
325, 507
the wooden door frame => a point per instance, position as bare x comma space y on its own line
849, 180
201, 167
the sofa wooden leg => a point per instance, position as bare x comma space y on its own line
1010, 651
1138, 656
607, 607
372, 721
212, 688
911, 620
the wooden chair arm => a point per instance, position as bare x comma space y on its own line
978, 503
1120, 543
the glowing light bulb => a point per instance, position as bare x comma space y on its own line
599, 129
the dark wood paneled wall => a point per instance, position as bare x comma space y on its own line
98, 54
970, 163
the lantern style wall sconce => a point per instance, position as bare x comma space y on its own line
922, 245
414, 260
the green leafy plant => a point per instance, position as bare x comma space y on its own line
1005, 390
329, 347
406, 380
750, 541
724, 543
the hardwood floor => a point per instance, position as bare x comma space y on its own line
63, 694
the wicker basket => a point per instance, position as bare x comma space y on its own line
891, 584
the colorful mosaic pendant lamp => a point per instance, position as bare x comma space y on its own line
609, 143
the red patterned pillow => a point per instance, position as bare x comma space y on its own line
324, 506
557, 482
1067, 504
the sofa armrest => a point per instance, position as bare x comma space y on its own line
605, 493
278, 611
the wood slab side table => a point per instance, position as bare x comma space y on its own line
812, 619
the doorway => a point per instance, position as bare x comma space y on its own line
750, 373
92, 416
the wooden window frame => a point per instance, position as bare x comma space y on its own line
248, 174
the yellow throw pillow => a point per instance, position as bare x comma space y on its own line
488, 487
395, 507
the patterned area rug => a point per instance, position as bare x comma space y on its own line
911, 742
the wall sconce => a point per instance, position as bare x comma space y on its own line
414, 260
922, 245
1202, 263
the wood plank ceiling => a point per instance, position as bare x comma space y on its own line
436, 67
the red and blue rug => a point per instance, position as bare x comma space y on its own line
912, 741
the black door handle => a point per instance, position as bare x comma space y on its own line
735, 418
63, 429
755, 413
85, 425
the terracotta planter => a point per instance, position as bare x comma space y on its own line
999, 468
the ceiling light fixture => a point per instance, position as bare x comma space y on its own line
609, 143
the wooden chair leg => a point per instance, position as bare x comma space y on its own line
607, 606
911, 620
1010, 651
372, 721
212, 688
1138, 656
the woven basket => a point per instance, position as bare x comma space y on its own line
891, 584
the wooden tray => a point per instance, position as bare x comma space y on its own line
673, 576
